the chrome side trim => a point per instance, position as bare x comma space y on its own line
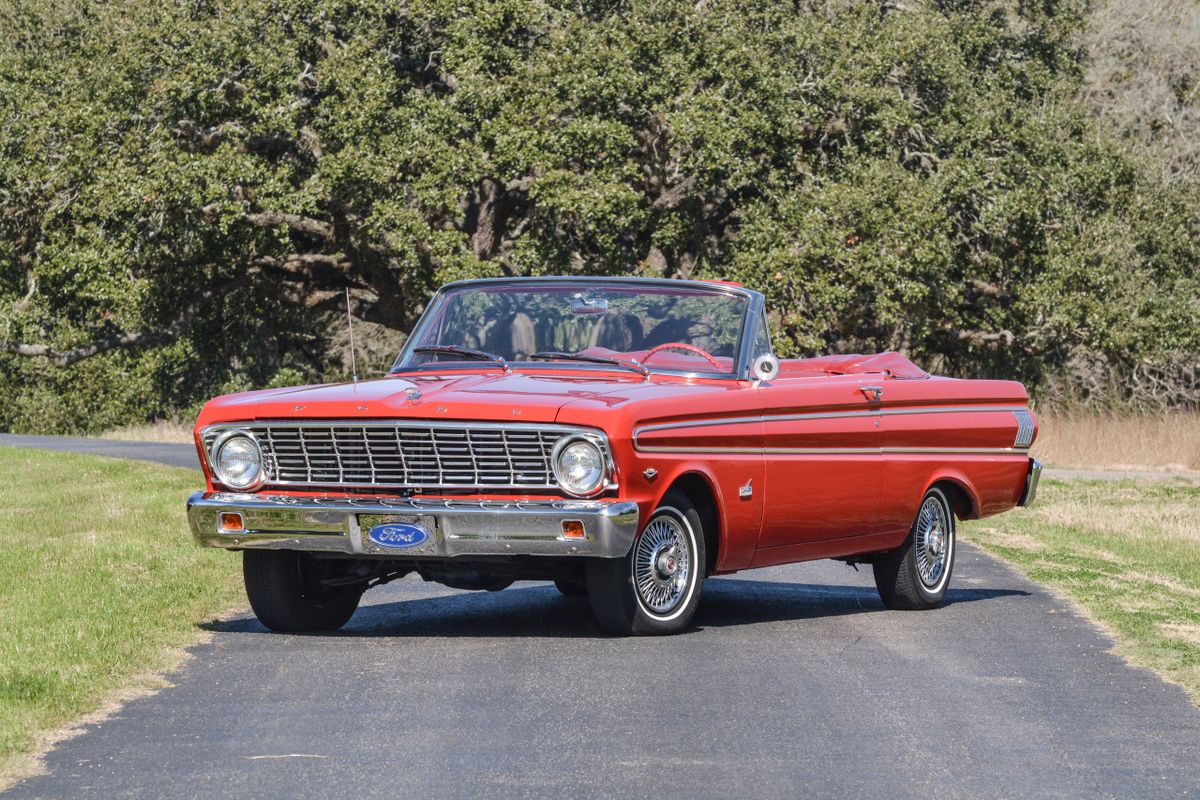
994, 451
456, 527
887, 412
762, 450
767, 418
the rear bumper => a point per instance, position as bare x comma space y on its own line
1031, 483
454, 527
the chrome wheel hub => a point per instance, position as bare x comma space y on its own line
937, 542
662, 564
931, 540
665, 563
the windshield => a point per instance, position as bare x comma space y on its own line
583, 324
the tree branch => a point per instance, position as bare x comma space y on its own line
31, 290
273, 219
121, 340
991, 339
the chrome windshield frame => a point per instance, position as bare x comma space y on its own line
752, 314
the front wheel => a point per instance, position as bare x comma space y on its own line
916, 574
286, 594
655, 588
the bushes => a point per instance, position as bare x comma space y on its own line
196, 183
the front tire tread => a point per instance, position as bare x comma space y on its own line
280, 600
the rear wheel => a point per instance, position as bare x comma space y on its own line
916, 574
286, 593
655, 588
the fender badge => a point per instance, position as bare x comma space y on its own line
651, 473
747, 490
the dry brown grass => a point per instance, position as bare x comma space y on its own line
1120, 514
161, 431
1169, 441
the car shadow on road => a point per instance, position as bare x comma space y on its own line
540, 611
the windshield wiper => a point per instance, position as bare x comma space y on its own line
554, 355
466, 352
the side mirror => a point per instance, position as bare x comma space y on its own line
766, 367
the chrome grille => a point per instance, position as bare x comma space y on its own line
405, 455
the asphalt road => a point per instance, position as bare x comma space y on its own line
175, 455
795, 682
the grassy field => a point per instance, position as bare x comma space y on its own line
100, 587
1127, 551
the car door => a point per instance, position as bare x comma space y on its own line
823, 462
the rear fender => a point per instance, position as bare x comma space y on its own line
958, 479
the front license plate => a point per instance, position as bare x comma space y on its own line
401, 535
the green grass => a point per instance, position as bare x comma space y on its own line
1128, 552
100, 585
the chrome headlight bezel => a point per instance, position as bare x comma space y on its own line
600, 445
214, 460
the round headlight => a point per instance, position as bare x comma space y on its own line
579, 466
237, 462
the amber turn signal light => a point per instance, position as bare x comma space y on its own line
231, 522
573, 529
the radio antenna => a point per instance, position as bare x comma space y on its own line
350, 325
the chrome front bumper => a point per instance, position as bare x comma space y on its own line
1031, 483
455, 527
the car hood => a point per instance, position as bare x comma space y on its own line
491, 396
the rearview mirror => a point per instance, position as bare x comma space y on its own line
588, 305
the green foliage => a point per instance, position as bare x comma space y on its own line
219, 171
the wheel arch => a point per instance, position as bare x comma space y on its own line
959, 490
700, 489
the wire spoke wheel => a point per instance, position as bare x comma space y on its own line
916, 575
655, 587
931, 541
662, 564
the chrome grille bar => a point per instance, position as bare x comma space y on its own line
404, 454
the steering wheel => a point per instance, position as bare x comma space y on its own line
691, 348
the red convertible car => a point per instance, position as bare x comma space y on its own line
623, 438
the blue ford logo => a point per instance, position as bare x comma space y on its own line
397, 534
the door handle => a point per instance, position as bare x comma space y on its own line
872, 393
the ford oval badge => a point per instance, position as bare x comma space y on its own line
397, 535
